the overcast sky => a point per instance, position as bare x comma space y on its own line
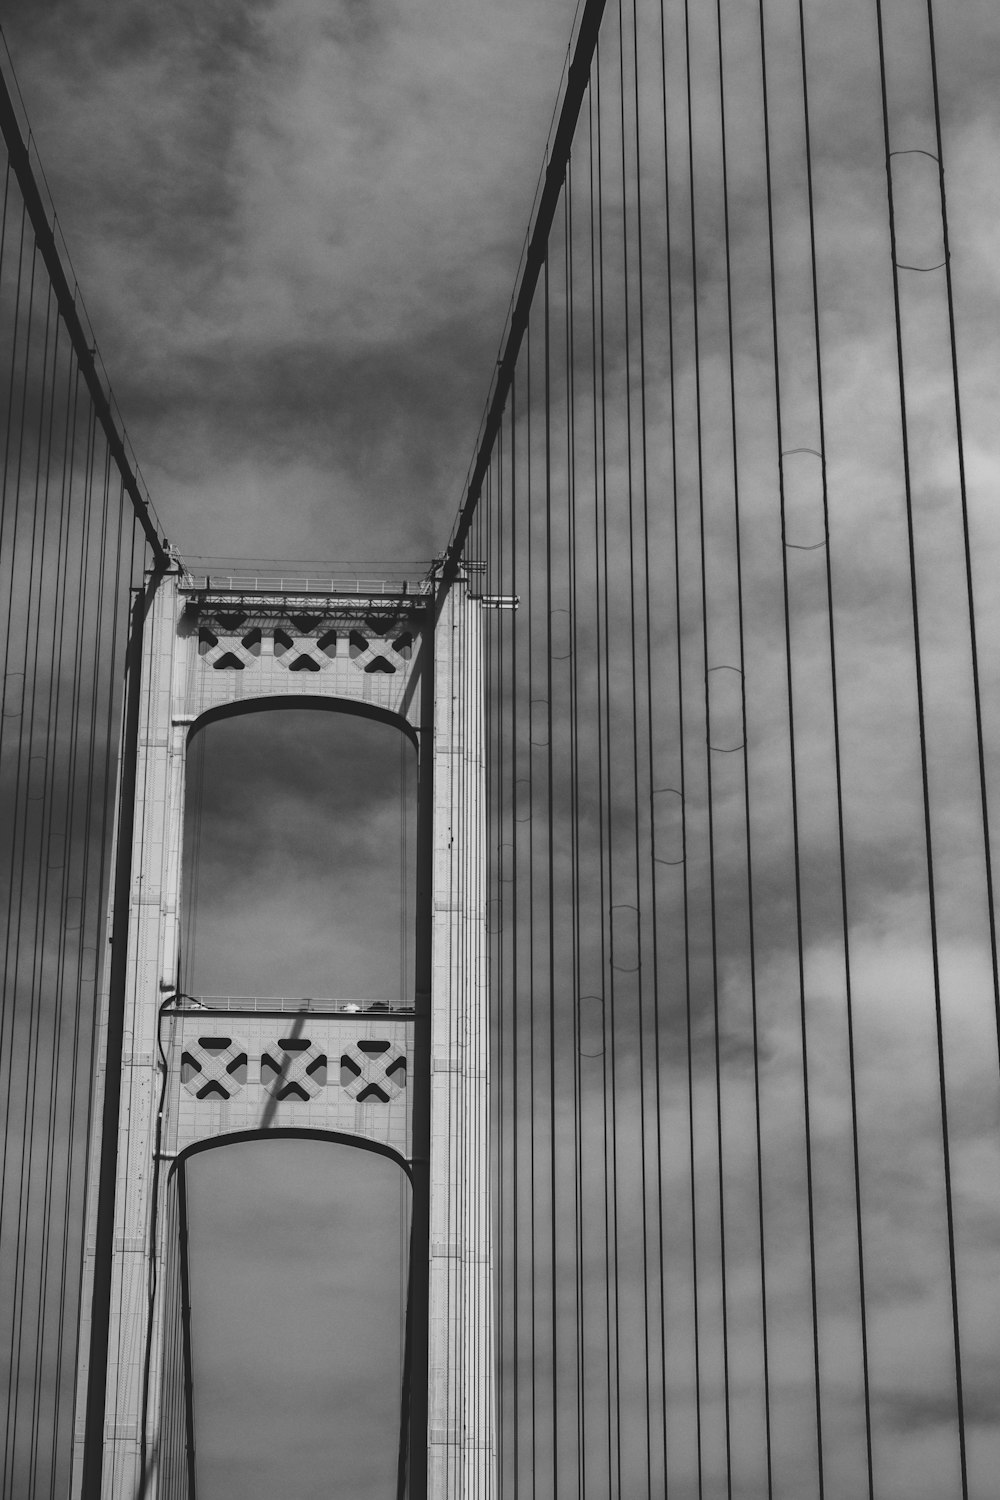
297, 225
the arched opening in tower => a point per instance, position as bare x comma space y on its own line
285, 1320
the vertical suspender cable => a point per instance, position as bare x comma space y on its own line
915, 621
966, 537
790, 706
634, 574
838, 769
550, 877
748, 842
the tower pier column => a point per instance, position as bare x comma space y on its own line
461, 1422
150, 920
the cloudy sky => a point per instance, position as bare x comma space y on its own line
297, 226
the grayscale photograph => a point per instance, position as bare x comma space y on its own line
500, 750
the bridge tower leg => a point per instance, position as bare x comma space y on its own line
461, 1421
200, 652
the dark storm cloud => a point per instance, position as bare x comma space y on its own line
297, 227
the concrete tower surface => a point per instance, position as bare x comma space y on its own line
409, 1080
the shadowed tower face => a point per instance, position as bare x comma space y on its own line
294, 1287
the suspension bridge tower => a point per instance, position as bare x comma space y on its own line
408, 1082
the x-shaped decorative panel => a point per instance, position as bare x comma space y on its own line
214, 1068
294, 1068
373, 1070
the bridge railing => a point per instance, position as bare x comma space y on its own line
404, 578
293, 1005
